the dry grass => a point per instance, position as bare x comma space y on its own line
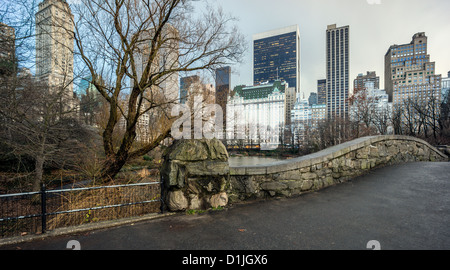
98, 198
79, 199
75, 200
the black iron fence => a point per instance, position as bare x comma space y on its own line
37, 212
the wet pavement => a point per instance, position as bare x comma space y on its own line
400, 207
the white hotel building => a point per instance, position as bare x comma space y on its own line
256, 114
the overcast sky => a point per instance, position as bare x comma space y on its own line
373, 28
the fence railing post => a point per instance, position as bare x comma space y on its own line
162, 196
43, 208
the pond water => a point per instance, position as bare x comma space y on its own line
251, 161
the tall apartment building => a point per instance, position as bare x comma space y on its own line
223, 86
446, 86
54, 47
192, 87
322, 92
166, 59
166, 90
338, 70
410, 73
290, 100
361, 80
445, 95
276, 56
7, 49
185, 85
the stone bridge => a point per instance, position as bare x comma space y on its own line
328, 167
196, 173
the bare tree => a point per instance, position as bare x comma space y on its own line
140, 47
20, 14
444, 120
427, 113
364, 113
33, 124
409, 119
423, 117
334, 131
382, 120
36, 120
397, 112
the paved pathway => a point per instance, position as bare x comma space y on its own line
402, 207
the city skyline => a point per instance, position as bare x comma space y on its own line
370, 31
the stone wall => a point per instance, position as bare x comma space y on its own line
195, 175
328, 167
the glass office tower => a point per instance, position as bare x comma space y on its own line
276, 56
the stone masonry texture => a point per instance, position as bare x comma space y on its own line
328, 167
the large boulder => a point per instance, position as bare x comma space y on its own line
195, 175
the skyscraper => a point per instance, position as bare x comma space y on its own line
185, 85
54, 46
322, 92
223, 86
192, 87
410, 73
166, 60
337, 57
276, 56
445, 86
7, 49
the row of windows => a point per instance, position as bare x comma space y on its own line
412, 53
415, 79
409, 47
421, 94
404, 59
276, 57
415, 89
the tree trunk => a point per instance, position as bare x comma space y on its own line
39, 171
39, 166
115, 162
111, 168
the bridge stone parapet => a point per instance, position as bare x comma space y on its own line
328, 167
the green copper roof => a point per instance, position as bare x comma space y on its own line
260, 91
